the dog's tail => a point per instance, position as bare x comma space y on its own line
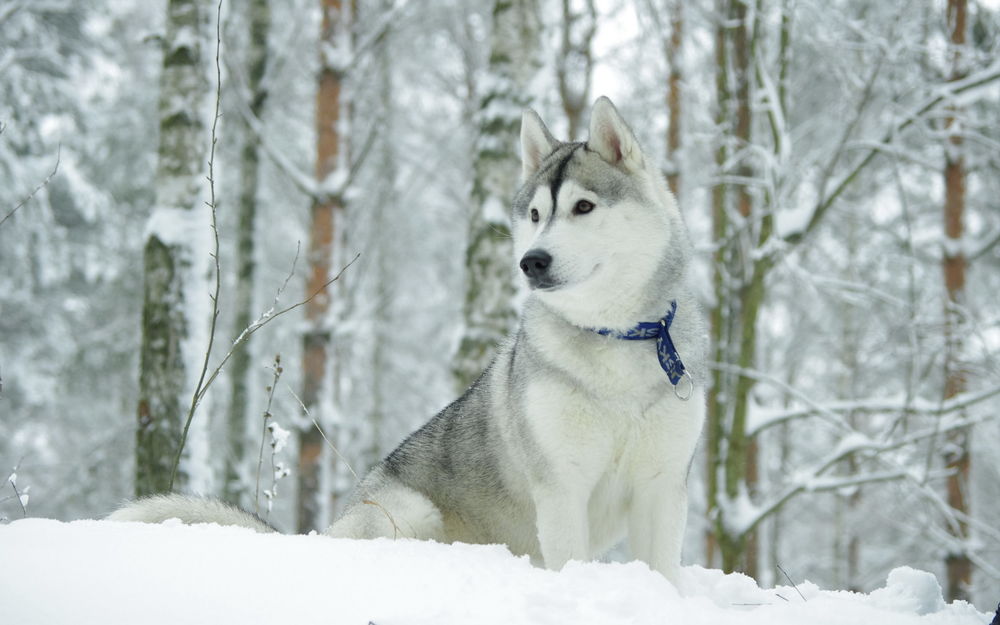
159, 508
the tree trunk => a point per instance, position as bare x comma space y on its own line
748, 270
957, 458
719, 320
167, 353
489, 308
740, 552
575, 63
235, 488
330, 153
674, 97
386, 199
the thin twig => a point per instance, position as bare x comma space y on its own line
267, 415
41, 186
12, 479
788, 577
17, 495
212, 204
323, 434
268, 318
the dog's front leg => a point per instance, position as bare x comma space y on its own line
563, 527
656, 524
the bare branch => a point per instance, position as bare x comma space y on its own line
212, 204
41, 186
267, 318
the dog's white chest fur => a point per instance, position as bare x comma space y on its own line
614, 442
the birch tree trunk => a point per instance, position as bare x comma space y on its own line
957, 458
234, 487
171, 326
330, 155
489, 308
575, 63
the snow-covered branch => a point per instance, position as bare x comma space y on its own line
305, 183
744, 516
826, 200
943, 95
331, 189
982, 247
918, 406
341, 62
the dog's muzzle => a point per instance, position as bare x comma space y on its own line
535, 265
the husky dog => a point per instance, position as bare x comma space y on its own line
580, 432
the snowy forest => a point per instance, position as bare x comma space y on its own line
246, 247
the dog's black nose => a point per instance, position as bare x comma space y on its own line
535, 263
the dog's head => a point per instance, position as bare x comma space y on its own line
594, 225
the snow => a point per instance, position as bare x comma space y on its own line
99, 572
910, 590
793, 218
279, 436
739, 513
495, 211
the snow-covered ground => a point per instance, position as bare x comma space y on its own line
100, 573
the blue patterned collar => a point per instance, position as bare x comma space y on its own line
667, 354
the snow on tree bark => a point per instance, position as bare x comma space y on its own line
489, 300
172, 326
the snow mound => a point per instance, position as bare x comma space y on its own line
100, 573
910, 590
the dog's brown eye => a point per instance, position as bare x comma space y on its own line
583, 207
534, 215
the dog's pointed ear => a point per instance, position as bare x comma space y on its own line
611, 137
536, 143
